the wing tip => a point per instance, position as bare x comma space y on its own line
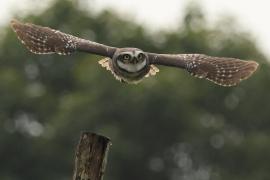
19, 28
254, 65
251, 67
15, 24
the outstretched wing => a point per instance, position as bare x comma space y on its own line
44, 40
220, 70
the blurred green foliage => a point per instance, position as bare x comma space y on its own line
171, 126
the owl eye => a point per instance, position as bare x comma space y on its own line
126, 57
140, 56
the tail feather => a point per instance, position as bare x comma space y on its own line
44, 40
222, 71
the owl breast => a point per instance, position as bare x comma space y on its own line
132, 68
131, 73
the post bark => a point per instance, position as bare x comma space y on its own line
91, 157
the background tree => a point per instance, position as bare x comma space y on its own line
171, 126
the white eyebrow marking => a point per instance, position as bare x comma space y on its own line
138, 52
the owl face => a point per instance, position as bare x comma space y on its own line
131, 60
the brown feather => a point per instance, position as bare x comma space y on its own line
153, 71
222, 71
44, 40
106, 64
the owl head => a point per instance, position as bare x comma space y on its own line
131, 60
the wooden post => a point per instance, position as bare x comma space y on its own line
91, 157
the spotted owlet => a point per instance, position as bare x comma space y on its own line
131, 65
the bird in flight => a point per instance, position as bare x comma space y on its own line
131, 65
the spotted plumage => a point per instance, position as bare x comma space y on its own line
222, 71
131, 65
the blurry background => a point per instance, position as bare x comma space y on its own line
171, 126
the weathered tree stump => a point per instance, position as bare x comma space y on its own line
91, 157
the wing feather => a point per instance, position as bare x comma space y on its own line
220, 70
153, 71
44, 40
106, 63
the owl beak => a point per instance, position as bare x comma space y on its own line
134, 60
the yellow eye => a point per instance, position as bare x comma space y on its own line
126, 57
140, 56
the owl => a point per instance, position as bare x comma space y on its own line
132, 65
